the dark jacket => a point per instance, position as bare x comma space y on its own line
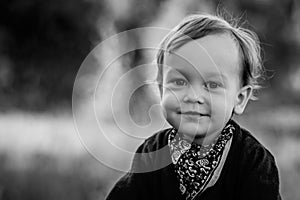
249, 172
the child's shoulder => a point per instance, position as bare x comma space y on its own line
251, 146
256, 166
155, 142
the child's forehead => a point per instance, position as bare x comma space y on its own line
210, 54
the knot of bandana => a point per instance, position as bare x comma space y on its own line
195, 164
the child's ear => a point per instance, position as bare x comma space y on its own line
242, 99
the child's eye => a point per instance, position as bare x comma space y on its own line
212, 85
180, 82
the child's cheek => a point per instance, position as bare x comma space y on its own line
170, 106
169, 100
221, 108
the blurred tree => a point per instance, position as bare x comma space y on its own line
45, 42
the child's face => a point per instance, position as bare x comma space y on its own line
202, 86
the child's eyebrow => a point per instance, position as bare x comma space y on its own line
172, 71
217, 75
205, 75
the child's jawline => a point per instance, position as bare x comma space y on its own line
200, 139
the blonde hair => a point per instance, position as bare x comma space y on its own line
197, 26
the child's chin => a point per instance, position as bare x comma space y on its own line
192, 132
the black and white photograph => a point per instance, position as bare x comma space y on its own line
149, 100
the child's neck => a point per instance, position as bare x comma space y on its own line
202, 140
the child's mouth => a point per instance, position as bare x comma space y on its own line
193, 113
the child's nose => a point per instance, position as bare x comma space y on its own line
195, 95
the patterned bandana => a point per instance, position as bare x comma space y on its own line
195, 164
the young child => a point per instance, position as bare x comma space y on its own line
207, 72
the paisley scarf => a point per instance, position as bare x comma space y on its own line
195, 164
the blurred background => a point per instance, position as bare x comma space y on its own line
42, 46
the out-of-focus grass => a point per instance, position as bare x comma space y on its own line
45, 179
41, 156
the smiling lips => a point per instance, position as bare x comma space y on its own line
193, 113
